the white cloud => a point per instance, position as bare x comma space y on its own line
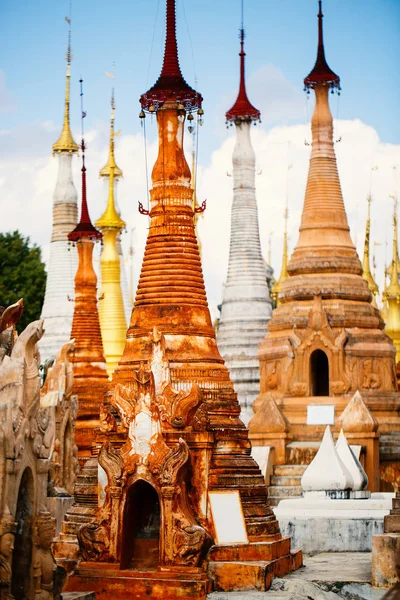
28, 178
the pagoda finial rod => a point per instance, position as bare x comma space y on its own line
367, 274
65, 142
321, 73
171, 62
85, 228
242, 110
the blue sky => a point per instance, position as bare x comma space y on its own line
362, 39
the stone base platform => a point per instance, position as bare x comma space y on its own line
386, 560
326, 525
251, 567
110, 583
230, 567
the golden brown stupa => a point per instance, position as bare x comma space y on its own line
326, 340
170, 431
90, 375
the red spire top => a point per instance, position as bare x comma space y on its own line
321, 72
85, 228
171, 84
242, 109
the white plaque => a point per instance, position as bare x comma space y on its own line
320, 414
228, 518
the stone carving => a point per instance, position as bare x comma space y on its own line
56, 394
8, 529
146, 456
48, 578
27, 439
370, 380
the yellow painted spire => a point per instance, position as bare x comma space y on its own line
285, 259
65, 142
367, 275
391, 294
111, 307
110, 217
106, 170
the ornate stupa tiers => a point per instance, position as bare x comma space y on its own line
325, 340
391, 295
111, 306
170, 431
90, 375
246, 305
57, 308
367, 275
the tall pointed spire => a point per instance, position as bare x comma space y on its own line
171, 301
57, 310
171, 84
367, 275
65, 142
84, 229
246, 306
285, 259
242, 109
90, 375
321, 72
111, 307
106, 170
326, 338
391, 294
324, 230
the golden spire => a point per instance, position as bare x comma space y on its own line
65, 142
111, 308
367, 275
285, 259
106, 170
391, 294
110, 217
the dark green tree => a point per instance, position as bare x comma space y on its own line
22, 275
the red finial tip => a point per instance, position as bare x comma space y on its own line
85, 228
171, 84
321, 72
242, 109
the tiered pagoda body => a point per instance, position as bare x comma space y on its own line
111, 304
170, 431
246, 305
90, 375
58, 306
326, 340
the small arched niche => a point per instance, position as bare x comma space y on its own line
319, 373
141, 528
22, 555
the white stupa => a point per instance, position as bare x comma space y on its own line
246, 305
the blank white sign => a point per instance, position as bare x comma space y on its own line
227, 513
320, 414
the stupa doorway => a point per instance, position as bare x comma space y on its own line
141, 528
22, 555
319, 373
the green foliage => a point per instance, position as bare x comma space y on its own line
22, 275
